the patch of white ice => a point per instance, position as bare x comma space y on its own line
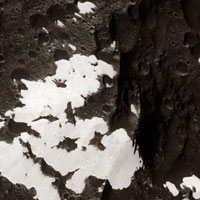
2, 122
43, 97
86, 7
18, 169
172, 188
60, 24
192, 182
117, 162
72, 47
134, 110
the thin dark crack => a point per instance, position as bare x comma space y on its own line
50, 118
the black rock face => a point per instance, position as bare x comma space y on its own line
161, 64
163, 67
158, 45
10, 191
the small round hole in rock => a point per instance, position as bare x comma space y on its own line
169, 104
21, 62
61, 54
64, 36
144, 69
133, 12
56, 12
19, 74
2, 58
195, 51
133, 2
43, 38
182, 69
32, 54
71, 8
38, 21
92, 29
107, 81
107, 109
22, 86
21, 31
189, 39
32, 191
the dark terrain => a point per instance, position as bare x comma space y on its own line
159, 48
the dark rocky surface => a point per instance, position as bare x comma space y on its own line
159, 47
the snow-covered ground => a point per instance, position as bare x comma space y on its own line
192, 183
86, 7
75, 79
2, 122
172, 188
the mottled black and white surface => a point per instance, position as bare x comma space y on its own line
99, 99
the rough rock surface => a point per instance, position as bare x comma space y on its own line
158, 50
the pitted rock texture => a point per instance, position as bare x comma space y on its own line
157, 60
163, 67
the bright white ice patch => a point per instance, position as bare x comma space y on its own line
2, 122
86, 7
75, 79
117, 163
113, 45
193, 183
172, 188
18, 169
43, 97
72, 47
60, 24
134, 110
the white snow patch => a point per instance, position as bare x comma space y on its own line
117, 162
72, 47
93, 60
192, 182
43, 97
113, 45
86, 7
78, 15
108, 85
134, 110
2, 122
44, 29
18, 169
100, 189
74, 18
172, 188
60, 24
